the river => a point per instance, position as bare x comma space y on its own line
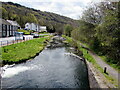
52, 68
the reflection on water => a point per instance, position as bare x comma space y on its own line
52, 68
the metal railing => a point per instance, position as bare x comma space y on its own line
9, 42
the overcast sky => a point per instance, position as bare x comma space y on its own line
69, 8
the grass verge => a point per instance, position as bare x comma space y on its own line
89, 58
23, 51
26, 32
115, 66
43, 33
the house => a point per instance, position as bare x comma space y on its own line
35, 27
15, 25
8, 28
31, 26
27, 26
43, 29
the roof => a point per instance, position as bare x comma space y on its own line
31, 23
13, 23
4, 22
27, 23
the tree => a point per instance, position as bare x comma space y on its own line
4, 13
67, 30
59, 28
75, 34
99, 27
108, 33
31, 18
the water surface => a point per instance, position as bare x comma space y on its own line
52, 68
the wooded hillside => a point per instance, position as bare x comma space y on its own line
22, 15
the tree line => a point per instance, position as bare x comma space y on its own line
22, 14
99, 28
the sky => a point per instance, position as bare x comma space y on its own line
69, 8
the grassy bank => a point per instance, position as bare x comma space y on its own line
103, 57
43, 33
23, 51
26, 32
89, 58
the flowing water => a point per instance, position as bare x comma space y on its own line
52, 68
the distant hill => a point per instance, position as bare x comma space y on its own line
22, 15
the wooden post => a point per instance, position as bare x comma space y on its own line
87, 51
7, 42
105, 69
1, 43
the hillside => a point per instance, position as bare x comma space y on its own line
24, 14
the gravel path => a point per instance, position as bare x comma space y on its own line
96, 79
111, 71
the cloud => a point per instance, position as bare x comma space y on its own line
69, 8
72, 10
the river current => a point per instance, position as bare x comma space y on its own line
52, 68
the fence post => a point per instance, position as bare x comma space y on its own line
7, 42
105, 69
1, 43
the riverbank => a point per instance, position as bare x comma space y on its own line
109, 81
55, 67
20, 52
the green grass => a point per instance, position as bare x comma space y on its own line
68, 39
26, 32
115, 66
43, 33
103, 57
89, 58
22, 51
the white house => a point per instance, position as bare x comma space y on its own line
31, 26
35, 27
43, 29
28, 26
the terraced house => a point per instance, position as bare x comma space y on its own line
8, 28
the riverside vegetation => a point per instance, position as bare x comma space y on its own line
88, 57
97, 27
99, 30
23, 51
